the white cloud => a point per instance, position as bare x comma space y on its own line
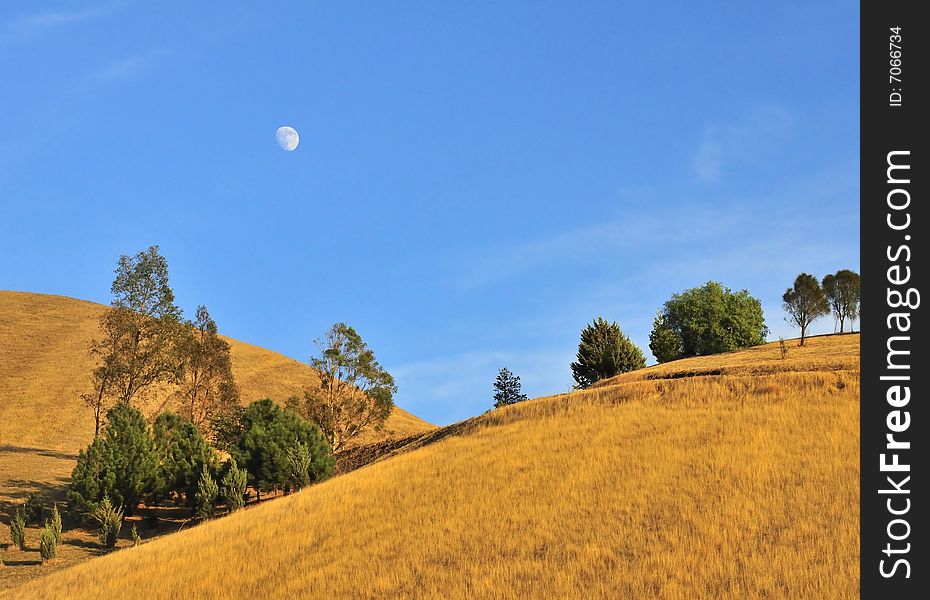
28, 26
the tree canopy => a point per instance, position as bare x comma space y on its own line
843, 293
604, 351
354, 392
706, 320
805, 301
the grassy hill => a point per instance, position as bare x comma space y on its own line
729, 476
45, 366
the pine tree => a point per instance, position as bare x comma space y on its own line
233, 486
110, 520
18, 529
207, 491
604, 351
507, 389
56, 523
48, 542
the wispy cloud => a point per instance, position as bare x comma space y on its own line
28, 26
739, 142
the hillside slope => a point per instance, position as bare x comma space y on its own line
45, 366
686, 480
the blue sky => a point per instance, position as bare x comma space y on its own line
474, 183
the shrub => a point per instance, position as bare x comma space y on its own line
32, 509
233, 486
56, 523
18, 529
183, 455
604, 351
136, 538
48, 542
707, 320
120, 464
110, 520
298, 464
782, 348
207, 491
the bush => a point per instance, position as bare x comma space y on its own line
110, 520
707, 320
32, 509
18, 529
207, 491
298, 464
48, 542
56, 523
233, 486
183, 455
136, 538
120, 464
267, 434
604, 351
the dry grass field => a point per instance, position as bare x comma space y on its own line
44, 367
732, 476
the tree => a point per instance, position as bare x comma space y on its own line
268, 432
206, 380
233, 486
507, 389
56, 523
706, 320
299, 462
120, 464
110, 520
804, 302
138, 330
183, 454
207, 491
843, 293
18, 529
604, 351
354, 392
48, 542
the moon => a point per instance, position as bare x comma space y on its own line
287, 138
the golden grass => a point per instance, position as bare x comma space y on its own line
45, 366
739, 485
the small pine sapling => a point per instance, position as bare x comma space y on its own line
48, 545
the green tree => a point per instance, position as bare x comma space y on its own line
664, 340
48, 542
110, 520
18, 529
707, 320
233, 486
226, 426
604, 351
56, 523
507, 389
354, 392
805, 302
136, 348
207, 492
267, 433
206, 383
120, 464
182, 454
843, 292
299, 462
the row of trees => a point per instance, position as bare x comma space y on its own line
704, 320
131, 463
145, 344
808, 299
